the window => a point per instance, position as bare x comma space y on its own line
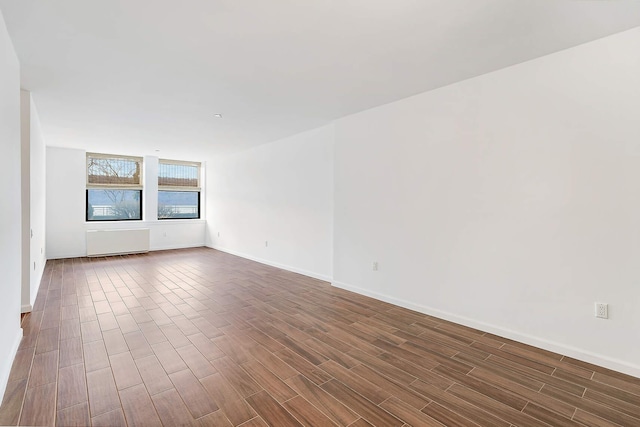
178, 189
114, 187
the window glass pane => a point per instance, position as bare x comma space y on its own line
178, 175
178, 204
113, 205
113, 171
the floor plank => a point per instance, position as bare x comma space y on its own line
271, 411
12, 402
195, 396
307, 414
171, 408
226, 397
154, 377
365, 408
73, 416
72, 386
39, 406
138, 407
103, 396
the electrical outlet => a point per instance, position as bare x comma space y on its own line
266, 243
375, 266
602, 310
218, 234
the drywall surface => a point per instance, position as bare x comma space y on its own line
33, 200
274, 203
10, 214
25, 198
66, 204
66, 185
508, 202
37, 203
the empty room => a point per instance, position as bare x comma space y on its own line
320, 213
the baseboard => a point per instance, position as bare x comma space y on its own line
275, 264
155, 248
116, 253
169, 247
576, 353
5, 368
27, 308
66, 256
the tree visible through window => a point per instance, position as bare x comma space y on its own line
114, 187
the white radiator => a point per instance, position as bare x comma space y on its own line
112, 242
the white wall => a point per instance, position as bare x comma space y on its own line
65, 206
10, 214
509, 202
65, 203
33, 200
280, 193
37, 202
25, 200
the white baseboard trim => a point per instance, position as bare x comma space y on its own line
27, 308
5, 368
169, 247
66, 256
576, 353
155, 248
275, 264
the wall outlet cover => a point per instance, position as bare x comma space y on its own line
602, 310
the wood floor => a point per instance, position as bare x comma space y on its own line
200, 337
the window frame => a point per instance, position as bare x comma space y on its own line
114, 186
178, 188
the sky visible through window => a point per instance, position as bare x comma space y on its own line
178, 204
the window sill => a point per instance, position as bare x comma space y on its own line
141, 224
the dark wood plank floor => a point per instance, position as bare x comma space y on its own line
200, 337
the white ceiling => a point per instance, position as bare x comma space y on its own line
133, 76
